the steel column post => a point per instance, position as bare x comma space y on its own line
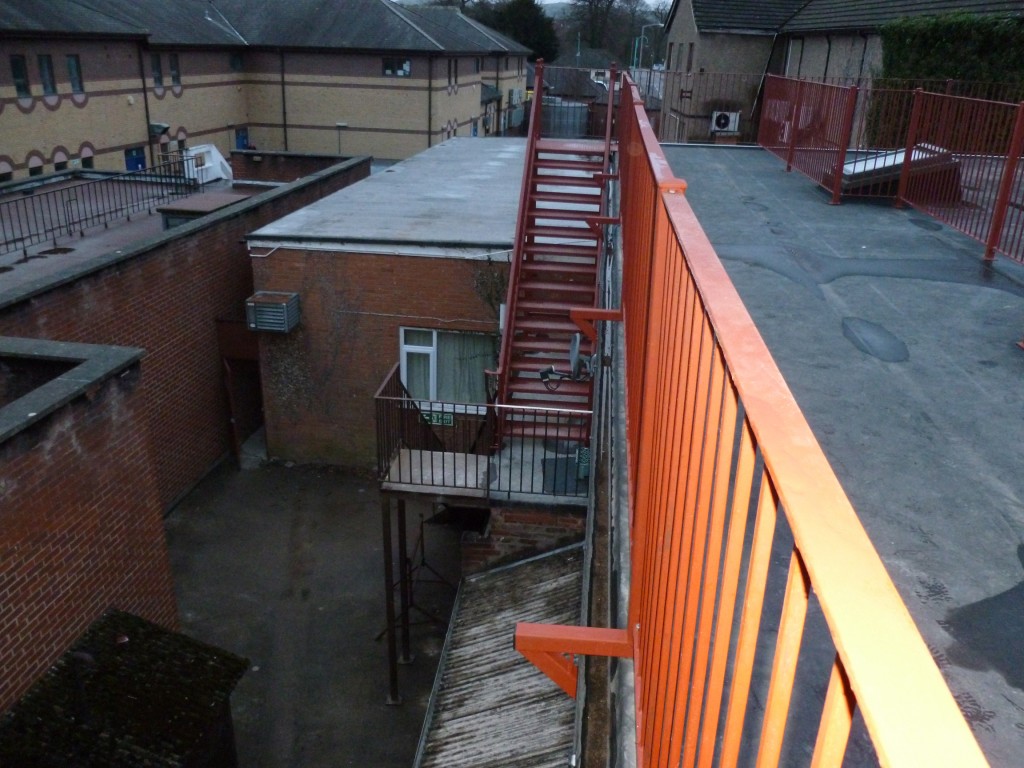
1006, 185
389, 602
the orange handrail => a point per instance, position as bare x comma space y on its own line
712, 426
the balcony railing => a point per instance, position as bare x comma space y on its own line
37, 216
453, 450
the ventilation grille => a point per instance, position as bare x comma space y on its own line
272, 311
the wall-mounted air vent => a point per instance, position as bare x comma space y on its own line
725, 122
272, 311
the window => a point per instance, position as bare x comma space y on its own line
88, 162
19, 72
235, 62
172, 67
35, 170
446, 366
75, 73
453, 71
157, 68
478, 65
689, 59
6, 176
46, 74
61, 166
397, 67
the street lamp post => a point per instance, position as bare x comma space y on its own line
641, 57
642, 38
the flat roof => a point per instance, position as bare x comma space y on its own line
459, 199
899, 344
77, 250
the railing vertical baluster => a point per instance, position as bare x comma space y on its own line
1013, 154
794, 124
845, 138
915, 121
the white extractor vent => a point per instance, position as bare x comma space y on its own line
273, 311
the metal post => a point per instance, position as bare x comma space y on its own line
794, 124
847, 132
394, 698
404, 589
1006, 185
908, 151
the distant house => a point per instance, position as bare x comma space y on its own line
819, 38
724, 35
708, 40
839, 38
116, 84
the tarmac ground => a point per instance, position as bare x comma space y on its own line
283, 565
899, 344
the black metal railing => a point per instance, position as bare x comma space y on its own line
455, 448
35, 216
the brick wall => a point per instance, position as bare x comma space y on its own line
164, 296
515, 533
320, 379
81, 529
254, 165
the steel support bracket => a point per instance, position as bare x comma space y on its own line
584, 317
552, 648
596, 222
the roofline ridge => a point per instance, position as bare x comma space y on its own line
130, 23
484, 30
400, 13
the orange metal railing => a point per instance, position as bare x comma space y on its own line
753, 585
724, 467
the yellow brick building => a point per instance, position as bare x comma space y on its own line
114, 84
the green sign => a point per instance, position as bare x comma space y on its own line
437, 419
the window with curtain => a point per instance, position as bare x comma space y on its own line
447, 366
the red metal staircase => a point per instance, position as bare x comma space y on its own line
559, 241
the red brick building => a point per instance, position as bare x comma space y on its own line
96, 440
409, 267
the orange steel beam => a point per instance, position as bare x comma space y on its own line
551, 648
584, 318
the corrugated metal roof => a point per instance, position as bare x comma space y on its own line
865, 15
364, 25
743, 15
491, 708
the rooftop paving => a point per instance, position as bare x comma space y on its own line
407, 208
898, 343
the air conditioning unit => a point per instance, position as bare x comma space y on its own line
273, 311
725, 122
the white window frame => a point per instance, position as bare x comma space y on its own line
420, 349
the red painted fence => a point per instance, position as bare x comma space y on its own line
953, 157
